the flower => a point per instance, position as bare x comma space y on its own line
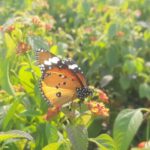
93, 38
53, 111
41, 3
22, 47
97, 108
88, 30
2, 92
18, 88
103, 96
36, 21
138, 13
1, 28
105, 9
120, 34
10, 28
143, 144
48, 26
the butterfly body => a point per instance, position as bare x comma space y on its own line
62, 80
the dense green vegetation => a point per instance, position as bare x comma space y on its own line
109, 40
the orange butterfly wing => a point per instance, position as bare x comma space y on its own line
42, 55
60, 79
59, 86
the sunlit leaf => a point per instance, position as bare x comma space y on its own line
51, 133
10, 44
17, 34
5, 77
129, 66
26, 78
139, 64
54, 49
53, 146
46, 134
3, 112
125, 127
14, 134
78, 137
84, 119
64, 146
144, 90
10, 113
104, 142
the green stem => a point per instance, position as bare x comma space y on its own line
6, 84
30, 64
148, 129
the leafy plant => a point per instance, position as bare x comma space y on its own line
110, 42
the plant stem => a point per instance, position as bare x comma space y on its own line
148, 128
30, 63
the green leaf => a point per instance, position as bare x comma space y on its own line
10, 45
124, 81
4, 76
62, 145
139, 62
54, 49
112, 29
65, 145
3, 111
51, 133
94, 127
10, 113
84, 117
53, 146
37, 42
144, 90
125, 127
86, 7
133, 66
104, 141
129, 67
14, 134
46, 134
112, 57
62, 47
78, 137
26, 79
17, 34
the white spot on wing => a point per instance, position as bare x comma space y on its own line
72, 66
41, 65
54, 60
47, 62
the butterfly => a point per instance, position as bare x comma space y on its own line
62, 80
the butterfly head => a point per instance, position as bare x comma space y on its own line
83, 92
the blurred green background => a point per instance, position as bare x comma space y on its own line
109, 40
